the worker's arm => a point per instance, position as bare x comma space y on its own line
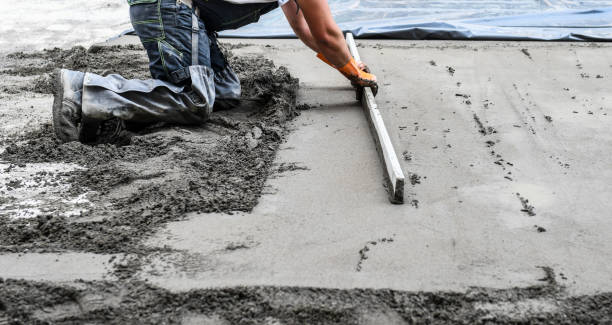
314, 24
298, 24
315, 19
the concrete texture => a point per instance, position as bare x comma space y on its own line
482, 127
58, 267
29, 25
505, 144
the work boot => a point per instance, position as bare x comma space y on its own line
227, 89
68, 121
113, 130
227, 83
92, 131
67, 104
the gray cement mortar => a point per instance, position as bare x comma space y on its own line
142, 303
167, 171
162, 172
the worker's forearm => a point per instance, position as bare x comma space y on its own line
298, 24
328, 36
307, 38
335, 50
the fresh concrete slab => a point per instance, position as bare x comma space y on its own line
59, 267
505, 147
505, 144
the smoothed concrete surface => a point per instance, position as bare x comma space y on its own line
59, 267
332, 226
536, 148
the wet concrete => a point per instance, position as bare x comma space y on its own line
507, 221
101, 302
62, 23
57, 267
471, 227
125, 190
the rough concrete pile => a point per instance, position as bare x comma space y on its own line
162, 173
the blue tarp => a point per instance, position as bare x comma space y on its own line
456, 20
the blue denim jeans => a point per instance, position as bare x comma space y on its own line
165, 30
220, 15
181, 91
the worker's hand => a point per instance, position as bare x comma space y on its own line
363, 67
358, 77
357, 72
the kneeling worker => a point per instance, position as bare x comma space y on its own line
190, 73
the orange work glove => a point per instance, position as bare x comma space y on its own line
324, 59
356, 72
352, 72
363, 66
360, 65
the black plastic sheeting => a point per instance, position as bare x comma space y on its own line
564, 20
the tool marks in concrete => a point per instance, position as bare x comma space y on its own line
491, 134
527, 54
502, 124
450, 70
527, 208
482, 128
488, 132
365, 252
